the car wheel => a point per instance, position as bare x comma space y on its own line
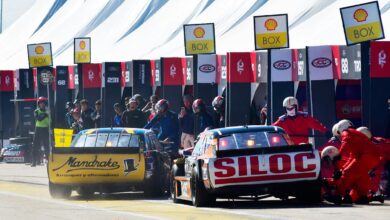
173, 187
59, 191
200, 197
85, 192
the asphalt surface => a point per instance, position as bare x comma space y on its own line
24, 195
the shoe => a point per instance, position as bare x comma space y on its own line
362, 200
335, 199
378, 198
347, 199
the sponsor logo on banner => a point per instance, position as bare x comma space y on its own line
271, 31
39, 55
207, 68
207, 71
82, 50
320, 58
380, 52
282, 65
92, 75
7, 81
173, 71
321, 62
281, 70
239, 67
199, 39
362, 23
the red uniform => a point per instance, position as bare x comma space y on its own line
327, 170
298, 127
363, 157
383, 146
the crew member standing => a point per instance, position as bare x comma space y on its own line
298, 124
41, 137
219, 109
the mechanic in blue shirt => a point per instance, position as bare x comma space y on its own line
118, 115
186, 118
168, 126
202, 119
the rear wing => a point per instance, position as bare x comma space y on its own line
265, 150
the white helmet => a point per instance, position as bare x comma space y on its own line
365, 131
343, 125
330, 151
289, 102
334, 130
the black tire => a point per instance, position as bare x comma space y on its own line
157, 184
200, 197
85, 192
310, 193
59, 191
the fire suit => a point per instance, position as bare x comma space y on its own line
298, 126
383, 146
363, 157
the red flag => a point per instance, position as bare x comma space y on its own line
7, 83
380, 59
71, 77
92, 75
241, 67
173, 71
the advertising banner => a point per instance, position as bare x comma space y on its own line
261, 66
82, 50
92, 75
206, 69
156, 72
281, 65
271, 31
241, 67
141, 78
362, 23
173, 71
199, 39
39, 55
189, 71
7, 80
320, 62
380, 59
350, 62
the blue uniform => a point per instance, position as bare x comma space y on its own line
205, 120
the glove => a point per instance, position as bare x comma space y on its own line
337, 174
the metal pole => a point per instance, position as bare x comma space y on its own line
269, 89
49, 113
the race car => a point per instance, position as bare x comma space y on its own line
246, 162
109, 160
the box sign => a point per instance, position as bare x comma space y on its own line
271, 31
39, 55
82, 50
362, 23
199, 39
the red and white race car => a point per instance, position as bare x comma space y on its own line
246, 161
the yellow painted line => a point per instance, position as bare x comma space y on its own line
132, 203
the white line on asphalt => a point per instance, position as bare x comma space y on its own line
80, 206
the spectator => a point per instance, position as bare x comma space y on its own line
77, 125
76, 104
86, 113
68, 115
140, 100
186, 119
168, 124
118, 115
203, 119
97, 114
148, 109
133, 117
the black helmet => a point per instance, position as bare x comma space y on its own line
218, 103
162, 106
198, 106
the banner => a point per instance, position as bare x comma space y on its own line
350, 62
189, 71
380, 61
281, 65
39, 55
92, 76
112, 90
82, 50
261, 64
241, 67
362, 23
141, 78
156, 72
206, 69
173, 71
199, 39
299, 64
320, 62
71, 77
271, 31
7, 82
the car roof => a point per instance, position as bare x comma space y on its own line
138, 131
240, 129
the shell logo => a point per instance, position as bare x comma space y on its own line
39, 50
82, 45
270, 24
199, 32
360, 15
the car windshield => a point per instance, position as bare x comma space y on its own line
107, 140
249, 140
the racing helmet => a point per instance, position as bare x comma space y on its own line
41, 99
218, 103
343, 125
365, 131
290, 102
162, 106
330, 151
334, 130
198, 106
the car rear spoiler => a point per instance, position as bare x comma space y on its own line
265, 150
96, 150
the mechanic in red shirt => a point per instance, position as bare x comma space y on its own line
298, 124
383, 146
363, 157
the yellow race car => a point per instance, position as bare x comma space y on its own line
109, 160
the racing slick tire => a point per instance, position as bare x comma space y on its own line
310, 192
199, 194
156, 186
175, 172
85, 192
59, 191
